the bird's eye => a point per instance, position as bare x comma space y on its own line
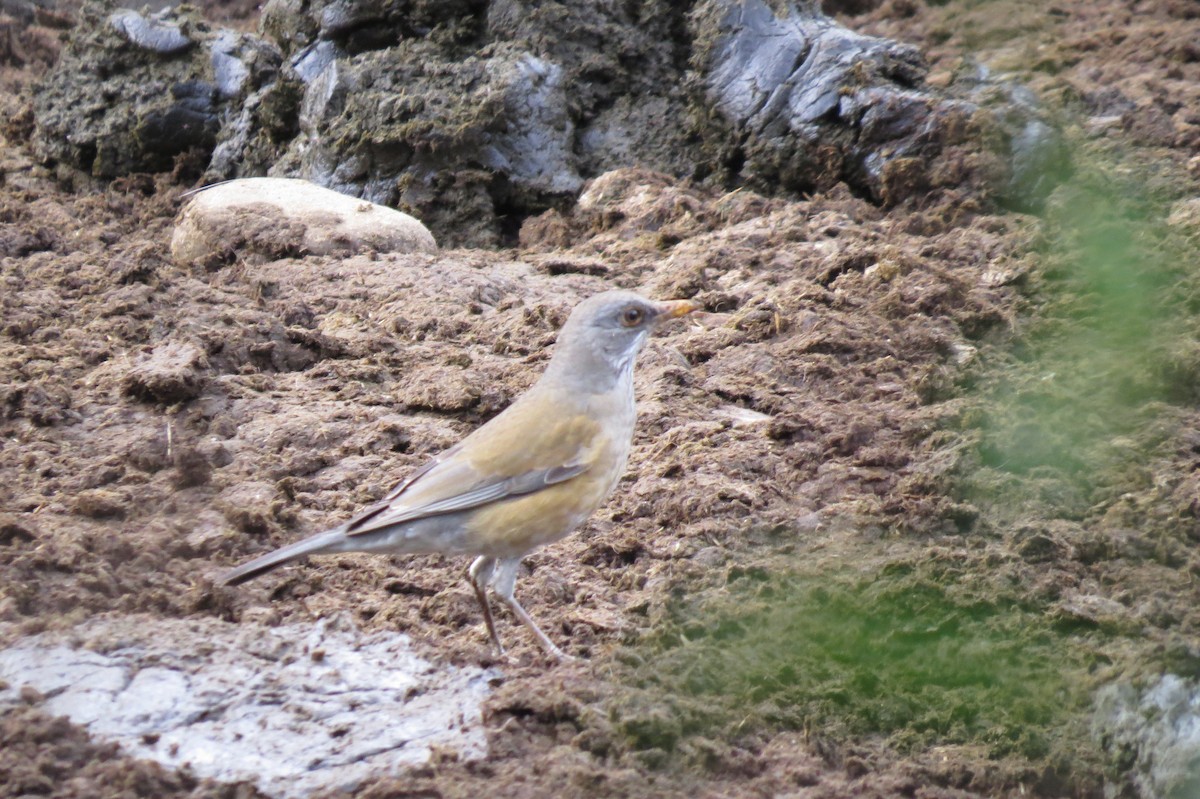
631, 316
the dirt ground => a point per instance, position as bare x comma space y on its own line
917, 484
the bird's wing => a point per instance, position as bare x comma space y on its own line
461, 478
441, 490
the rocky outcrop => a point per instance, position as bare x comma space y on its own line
134, 93
475, 115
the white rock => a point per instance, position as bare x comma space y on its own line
285, 217
1156, 729
295, 709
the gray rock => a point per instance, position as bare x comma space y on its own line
809, 103
315, 59
1153, 733
404, 126
110, 109
154, 33
240, 63
293, 710
534, 148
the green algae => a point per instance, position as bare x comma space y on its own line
917, 654
1105, 342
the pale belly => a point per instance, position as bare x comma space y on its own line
516, 526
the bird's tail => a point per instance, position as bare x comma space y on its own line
320, 543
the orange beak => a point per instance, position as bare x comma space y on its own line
673, 309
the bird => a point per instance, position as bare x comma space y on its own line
528, 477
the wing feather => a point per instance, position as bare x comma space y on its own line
466, 477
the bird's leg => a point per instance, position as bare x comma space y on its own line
480, 575
503, 584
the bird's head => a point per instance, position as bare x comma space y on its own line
600, 341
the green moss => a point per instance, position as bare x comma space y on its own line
916, 654
1074, 404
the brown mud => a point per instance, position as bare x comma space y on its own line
866, 544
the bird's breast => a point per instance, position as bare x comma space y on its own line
517, 525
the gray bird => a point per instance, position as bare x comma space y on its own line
526, 478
